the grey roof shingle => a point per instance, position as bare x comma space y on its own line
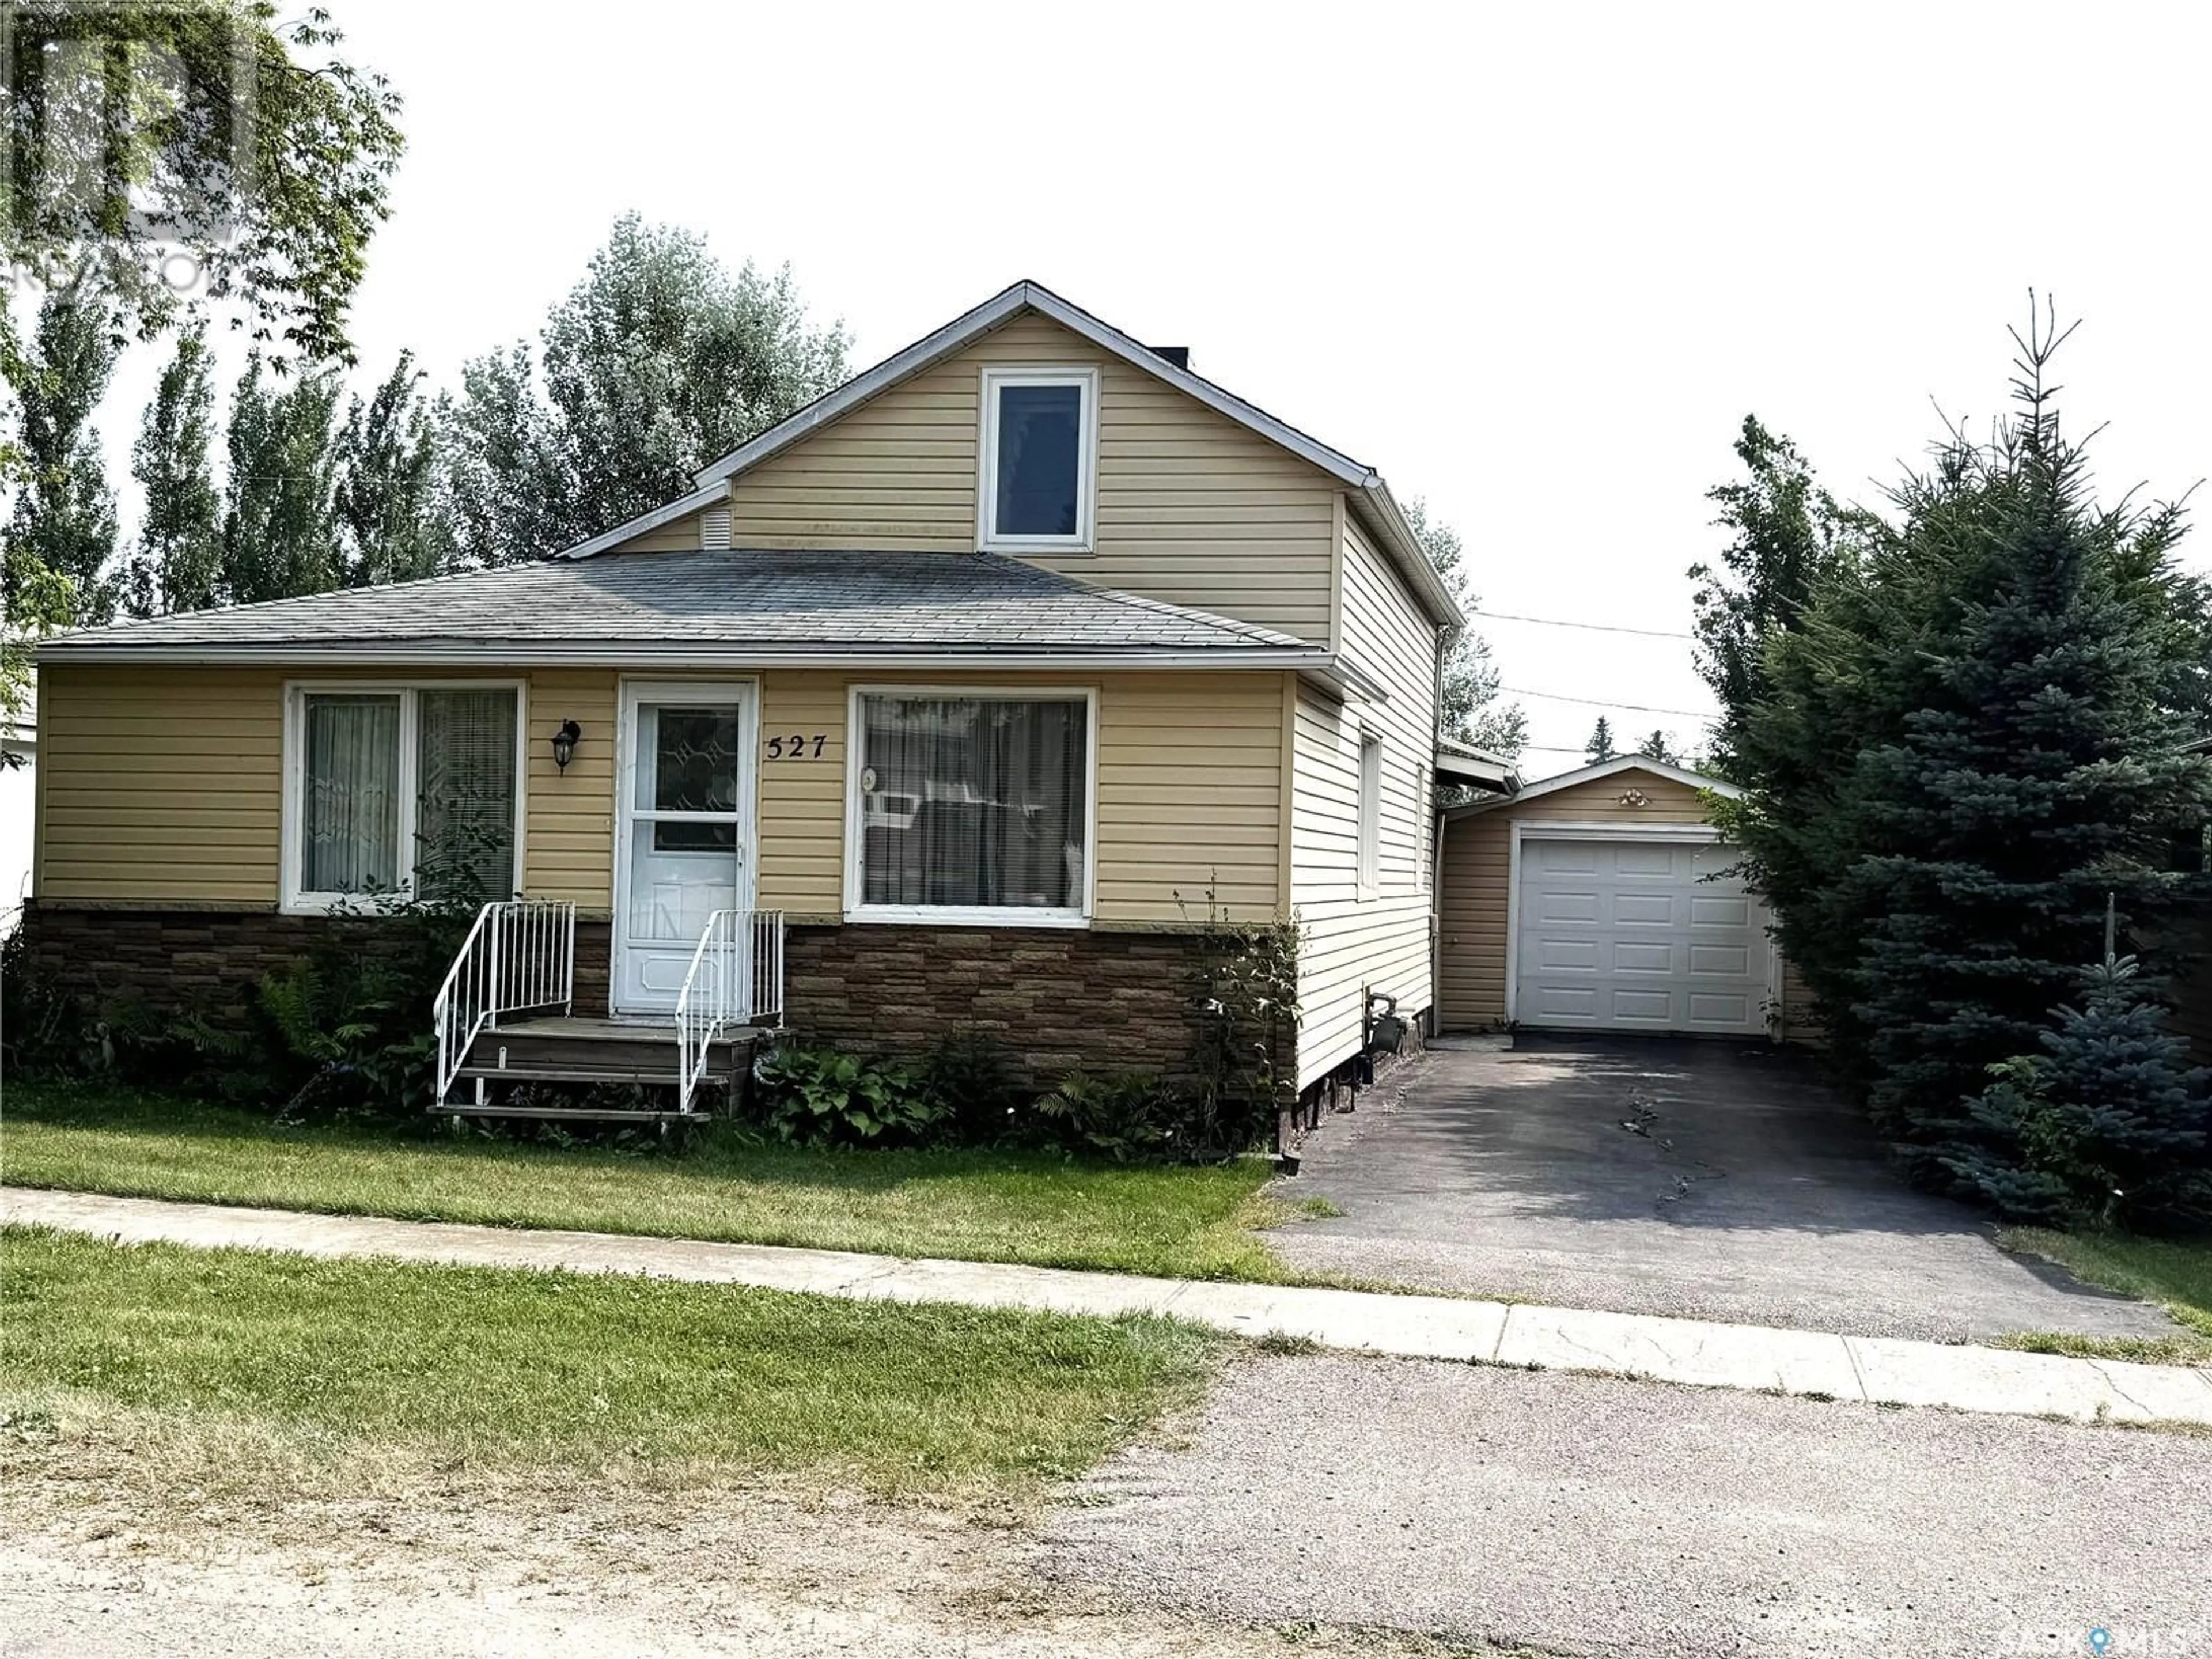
832, 604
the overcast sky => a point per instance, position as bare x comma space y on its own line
1535, 264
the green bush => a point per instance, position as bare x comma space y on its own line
967, 1073
44, 1030
341, 1030
813, 1096
1130, 1116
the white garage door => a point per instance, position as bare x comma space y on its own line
1638, 936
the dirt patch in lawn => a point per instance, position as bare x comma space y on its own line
125, 1532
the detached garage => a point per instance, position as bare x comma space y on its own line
1600, 901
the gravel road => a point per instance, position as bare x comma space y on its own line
94, 1566
1591, 1516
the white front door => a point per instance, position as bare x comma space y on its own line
683, 832
1638, 936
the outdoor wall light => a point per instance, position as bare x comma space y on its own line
564, 744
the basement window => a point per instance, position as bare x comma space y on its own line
970, 806
408, 789
1039, 455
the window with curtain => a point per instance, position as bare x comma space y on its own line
974, 803
409, 789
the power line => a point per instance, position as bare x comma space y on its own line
1594, 702
1593, 627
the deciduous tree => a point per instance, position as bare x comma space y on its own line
64, 520
659, 361
390, 526
280, 524
179, 564
1471, 707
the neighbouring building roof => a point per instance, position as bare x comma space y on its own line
760, 607
1619, 763
1371, 497
1463, 762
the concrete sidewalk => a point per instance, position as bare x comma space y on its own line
1878, 1369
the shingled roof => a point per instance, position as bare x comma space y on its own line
757, 607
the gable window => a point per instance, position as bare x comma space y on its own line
1370, 813
970, 806
397, 788
1040, 443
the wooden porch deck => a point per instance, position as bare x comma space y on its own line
581, 1051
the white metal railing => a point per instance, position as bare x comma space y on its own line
736, 978
522, 953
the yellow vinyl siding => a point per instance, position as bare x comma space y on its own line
165, 786
1193, 508
1380, 941
567, 837
678, 536
1475, 876
1189, 790
160, 784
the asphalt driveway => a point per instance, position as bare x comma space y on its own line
1707, 1179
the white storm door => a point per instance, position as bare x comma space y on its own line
1638, 936
684, 831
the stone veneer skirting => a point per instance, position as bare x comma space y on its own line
173, 956
1055, 997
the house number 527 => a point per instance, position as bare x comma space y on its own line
798, 746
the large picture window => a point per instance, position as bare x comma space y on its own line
974, 805
1040, 436
404, 789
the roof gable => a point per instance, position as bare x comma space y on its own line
1371, 497
1613, 768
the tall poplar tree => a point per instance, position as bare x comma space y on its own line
280, 535
179, 564
64, 521
389, 524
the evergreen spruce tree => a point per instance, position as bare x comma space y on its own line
2049, 763
390, 525
1655, 747
64, 521
280, 527
1600, 747
2108, 1124
179, 564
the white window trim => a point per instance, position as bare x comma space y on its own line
1368, 870
292, 899
1084, 540
991, 915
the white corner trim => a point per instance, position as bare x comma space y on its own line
706, 495
995, 377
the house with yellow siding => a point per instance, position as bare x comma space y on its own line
949, 702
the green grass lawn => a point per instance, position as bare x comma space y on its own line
2174, 1274
982, 1206
496, 1368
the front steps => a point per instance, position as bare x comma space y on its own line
579, 1052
